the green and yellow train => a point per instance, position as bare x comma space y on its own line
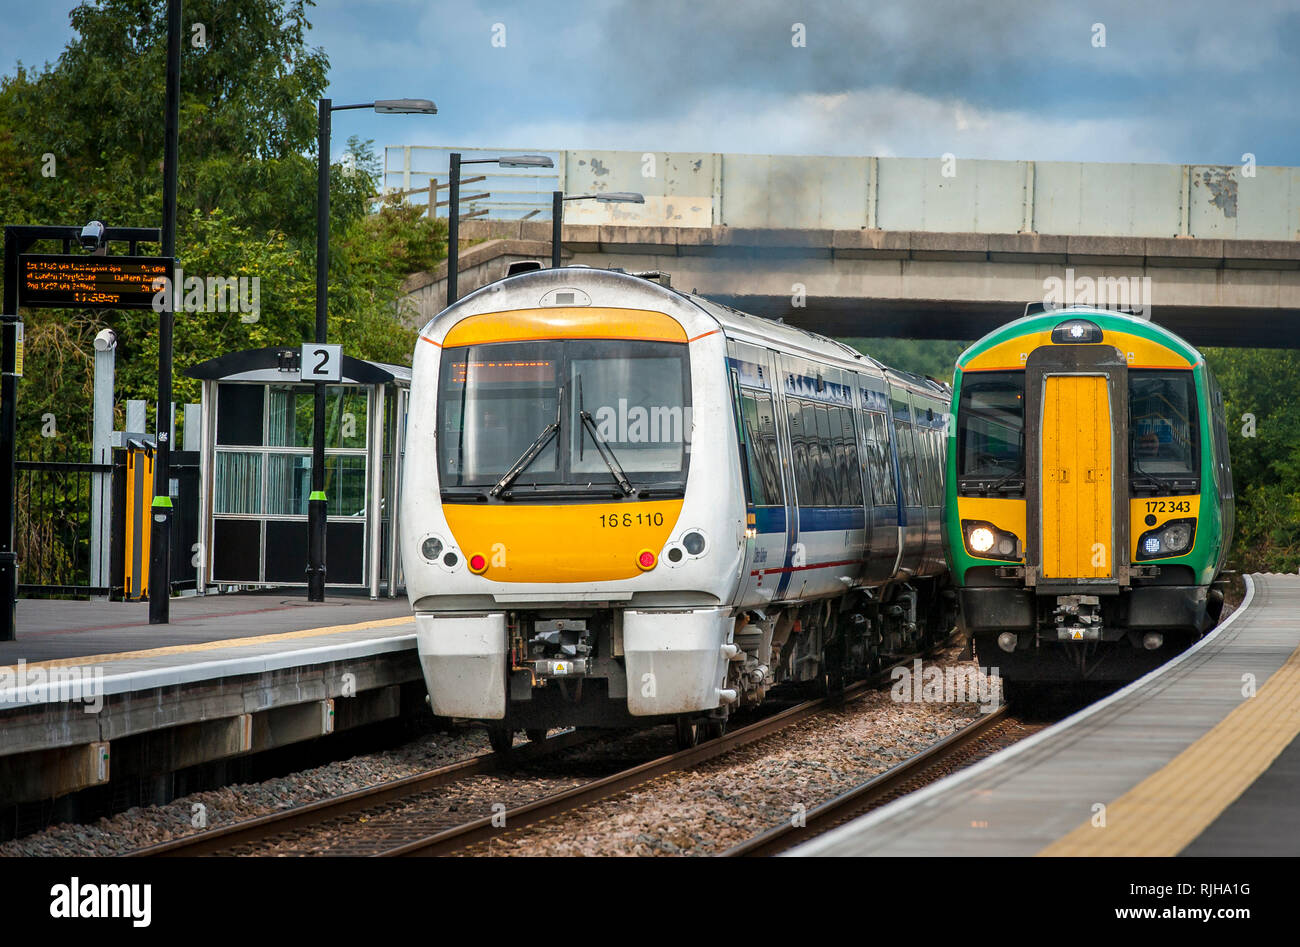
1089, 501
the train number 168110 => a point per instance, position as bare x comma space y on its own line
613, 520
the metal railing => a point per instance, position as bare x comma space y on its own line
419, 171
53, 524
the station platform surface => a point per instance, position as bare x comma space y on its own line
1200, 757
207, 637
86, 682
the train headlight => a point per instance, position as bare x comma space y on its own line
1169, 539
1177, 536
985, 540
431, 548
981, 539
693, 542
1076, 331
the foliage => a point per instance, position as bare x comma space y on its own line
1261, 393
246, 196
932, 357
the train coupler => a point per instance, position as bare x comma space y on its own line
1077, 618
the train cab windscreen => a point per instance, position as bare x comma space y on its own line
1162, 425
991, 438
564, 414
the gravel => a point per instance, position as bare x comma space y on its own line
148, 825
708, 809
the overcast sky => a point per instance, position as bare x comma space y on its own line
1179, 81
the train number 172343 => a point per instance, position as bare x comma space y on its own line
1169, 506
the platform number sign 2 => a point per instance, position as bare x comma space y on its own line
321, 362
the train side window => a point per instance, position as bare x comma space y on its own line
933, 494
799, 452
749, 414
853, 471
907, 463
884, 474
824, 470
761, 451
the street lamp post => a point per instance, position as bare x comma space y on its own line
316, 503
453, 206
557, 213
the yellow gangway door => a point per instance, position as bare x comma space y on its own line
139, 499
1076, 478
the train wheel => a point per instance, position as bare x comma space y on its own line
536, 734
832, 679
688, 732
501, 737
713, 728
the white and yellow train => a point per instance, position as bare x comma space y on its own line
624, 502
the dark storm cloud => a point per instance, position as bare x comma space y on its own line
655, 52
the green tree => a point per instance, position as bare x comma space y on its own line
1261, 393
247, 192
933, 357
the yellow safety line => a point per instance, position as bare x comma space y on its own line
214, 645
1165, 812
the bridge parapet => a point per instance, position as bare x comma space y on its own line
950, 194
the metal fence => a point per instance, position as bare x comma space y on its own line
53, 523
418, 171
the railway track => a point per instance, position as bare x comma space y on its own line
984, 735
252, 831
388, 820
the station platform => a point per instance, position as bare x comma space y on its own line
92, 690
1200, 757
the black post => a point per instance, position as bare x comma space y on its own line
8, 434
316, 511
160, 545
557, 226
453, 226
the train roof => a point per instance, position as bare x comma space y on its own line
735, 324
1107, 319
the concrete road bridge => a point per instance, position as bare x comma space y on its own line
919, 248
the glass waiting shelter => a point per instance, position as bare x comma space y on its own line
255, 466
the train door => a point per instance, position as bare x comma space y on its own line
766, 518
911, 518
927, 422
779, 570
1076, 397
862, 440
1076, 478
883, 513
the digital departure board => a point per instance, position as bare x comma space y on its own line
96, 282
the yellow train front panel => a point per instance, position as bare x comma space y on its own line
572, 542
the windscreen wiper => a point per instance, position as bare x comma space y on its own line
1158, 482
535, 448
607, 455
996, 485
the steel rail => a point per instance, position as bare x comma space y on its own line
262, 827
868, 795
462, 836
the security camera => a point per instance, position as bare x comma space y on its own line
93, 235
105, 340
